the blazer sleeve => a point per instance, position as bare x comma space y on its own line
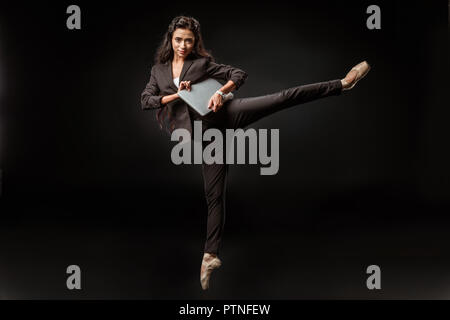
150, 97
226, 72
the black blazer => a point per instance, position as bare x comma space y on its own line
194, 69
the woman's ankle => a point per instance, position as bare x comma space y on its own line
209, 255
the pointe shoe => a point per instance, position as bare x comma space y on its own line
207, 268
355, 74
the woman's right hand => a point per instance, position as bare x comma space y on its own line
185, 85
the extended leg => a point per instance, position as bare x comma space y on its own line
239, 113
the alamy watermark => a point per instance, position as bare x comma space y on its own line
374, 280
214, 151
74, 280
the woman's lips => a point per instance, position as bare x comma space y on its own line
182, 52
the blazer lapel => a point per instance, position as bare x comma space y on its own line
187, 63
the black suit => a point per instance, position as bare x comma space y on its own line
196, 70
236, 113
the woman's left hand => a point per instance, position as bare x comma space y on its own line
216, 102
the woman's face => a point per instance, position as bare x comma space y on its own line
182, 42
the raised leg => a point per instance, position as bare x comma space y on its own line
240, 113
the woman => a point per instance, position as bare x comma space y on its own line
182, 60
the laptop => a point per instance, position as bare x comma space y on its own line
200, 94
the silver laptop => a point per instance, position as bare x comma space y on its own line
200, 94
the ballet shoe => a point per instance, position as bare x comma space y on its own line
207, 268
355, 74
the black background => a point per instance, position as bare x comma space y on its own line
87, 177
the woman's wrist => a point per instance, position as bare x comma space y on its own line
221, 93
221, 96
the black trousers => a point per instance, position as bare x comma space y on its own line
240, 113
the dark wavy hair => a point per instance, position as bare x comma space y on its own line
164, 52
